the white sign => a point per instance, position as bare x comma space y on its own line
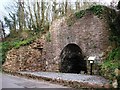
91, 58
91, 61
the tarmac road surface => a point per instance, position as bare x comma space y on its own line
9, 81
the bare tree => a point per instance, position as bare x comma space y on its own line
38, 13
118, 6
35, 14
43, 12
77, 3
54, 11
13, 17
8, 23
66, 6
2, 31
31, 17
21, 18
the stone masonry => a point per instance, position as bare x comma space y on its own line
90, 33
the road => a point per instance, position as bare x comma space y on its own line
9, 81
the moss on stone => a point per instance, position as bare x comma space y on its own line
80, 14
97, 10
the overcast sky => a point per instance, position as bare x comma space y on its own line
4, 3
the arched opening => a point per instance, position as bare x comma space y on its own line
72, 59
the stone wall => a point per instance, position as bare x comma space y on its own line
90, 33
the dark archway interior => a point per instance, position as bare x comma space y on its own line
72, 59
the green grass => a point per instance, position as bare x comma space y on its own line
6, 46
17, 40
17, 44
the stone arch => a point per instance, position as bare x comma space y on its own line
72, 59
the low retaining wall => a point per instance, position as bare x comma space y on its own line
73, 84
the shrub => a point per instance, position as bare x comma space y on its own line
115, 30
80, 14
97, 10
110, 64
4, 47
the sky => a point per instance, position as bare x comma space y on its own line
4, 3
